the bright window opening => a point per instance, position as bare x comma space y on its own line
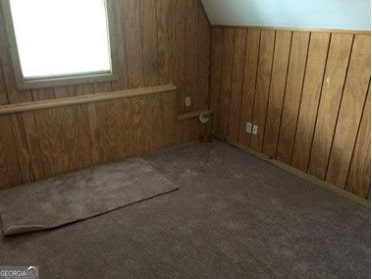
61, 38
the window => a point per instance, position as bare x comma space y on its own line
59, 42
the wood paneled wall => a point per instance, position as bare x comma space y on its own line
159, 41
308, 92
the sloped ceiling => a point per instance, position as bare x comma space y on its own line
334, 14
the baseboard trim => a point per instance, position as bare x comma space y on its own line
298, 173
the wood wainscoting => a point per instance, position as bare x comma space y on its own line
308, 92
158, 42
60, 139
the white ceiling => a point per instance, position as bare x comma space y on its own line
337, 14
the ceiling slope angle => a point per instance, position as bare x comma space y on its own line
327, 14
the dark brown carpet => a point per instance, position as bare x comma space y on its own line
234, 216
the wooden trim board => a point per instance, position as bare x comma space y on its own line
299, 173
359, 32
192, 114
83, 99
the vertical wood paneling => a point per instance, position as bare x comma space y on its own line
9, 160
292, 98
134, 43
4, 175
359, 179
314, 75
277, 90
84, 89
202, 98
334, 80
108, 115
191, 48
46, 144
64, 91
164, 40
23, 126
216, 74
157, 42
3, 96
249, 84
27, 140
267, 47
227, 64
185, 69
180, 45
237, 83
90, 111
121, 46
150, 43
48, 127
351, 110
306, 92
43, 94
80, 146
3, 92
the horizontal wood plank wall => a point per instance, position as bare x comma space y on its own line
159, 42
308, 92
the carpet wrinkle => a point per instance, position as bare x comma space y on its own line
241, 217
77, 196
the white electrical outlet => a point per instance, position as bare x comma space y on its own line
188, 101
255, 130
248, 128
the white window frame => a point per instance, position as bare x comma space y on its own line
23, 83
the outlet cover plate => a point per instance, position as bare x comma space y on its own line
248, 127
255, 130
188, 101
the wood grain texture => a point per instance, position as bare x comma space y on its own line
237, 84
305, 90
165, 35
265, 63
359, 178
134, 44
203, 59
103, 90
355, 93
150, 43
152, 48
227, 65
122, 51
291, 105
70, 138
249, 84
277, 91
216, 74
338, 60
27, 140
4, 174
180, 49
3, 92
191, 48
3, 96
11, 172
314, 76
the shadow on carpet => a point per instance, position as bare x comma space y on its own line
80, 195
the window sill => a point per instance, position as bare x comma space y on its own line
65, 80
